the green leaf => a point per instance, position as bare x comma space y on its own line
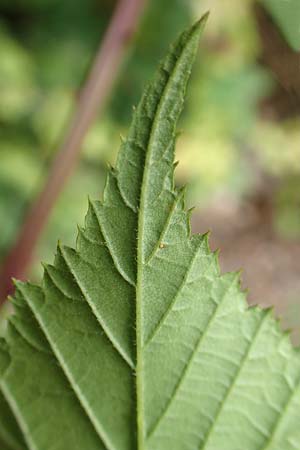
135, 340
286, 14
11, 437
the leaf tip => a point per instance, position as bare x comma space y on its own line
190, 212
200, 24
44, 266
205, 16
80, 229
17, 283
205, 236
59, 247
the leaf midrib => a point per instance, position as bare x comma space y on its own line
140, 263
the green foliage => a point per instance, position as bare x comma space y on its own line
135, 340
287, 15
278, 153
287, 208
19, 171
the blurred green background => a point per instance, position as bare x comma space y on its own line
240, 142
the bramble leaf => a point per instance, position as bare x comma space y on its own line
134, 340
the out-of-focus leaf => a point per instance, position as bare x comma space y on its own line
51, 116
16, 78
287, 208
286, 14
277, 148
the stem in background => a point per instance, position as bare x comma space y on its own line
92, 99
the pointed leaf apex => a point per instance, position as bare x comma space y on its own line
16, 283
200, 24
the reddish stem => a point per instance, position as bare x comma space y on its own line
92, 99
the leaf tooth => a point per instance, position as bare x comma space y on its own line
64, 282
112, 195
24, 321
116, 255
